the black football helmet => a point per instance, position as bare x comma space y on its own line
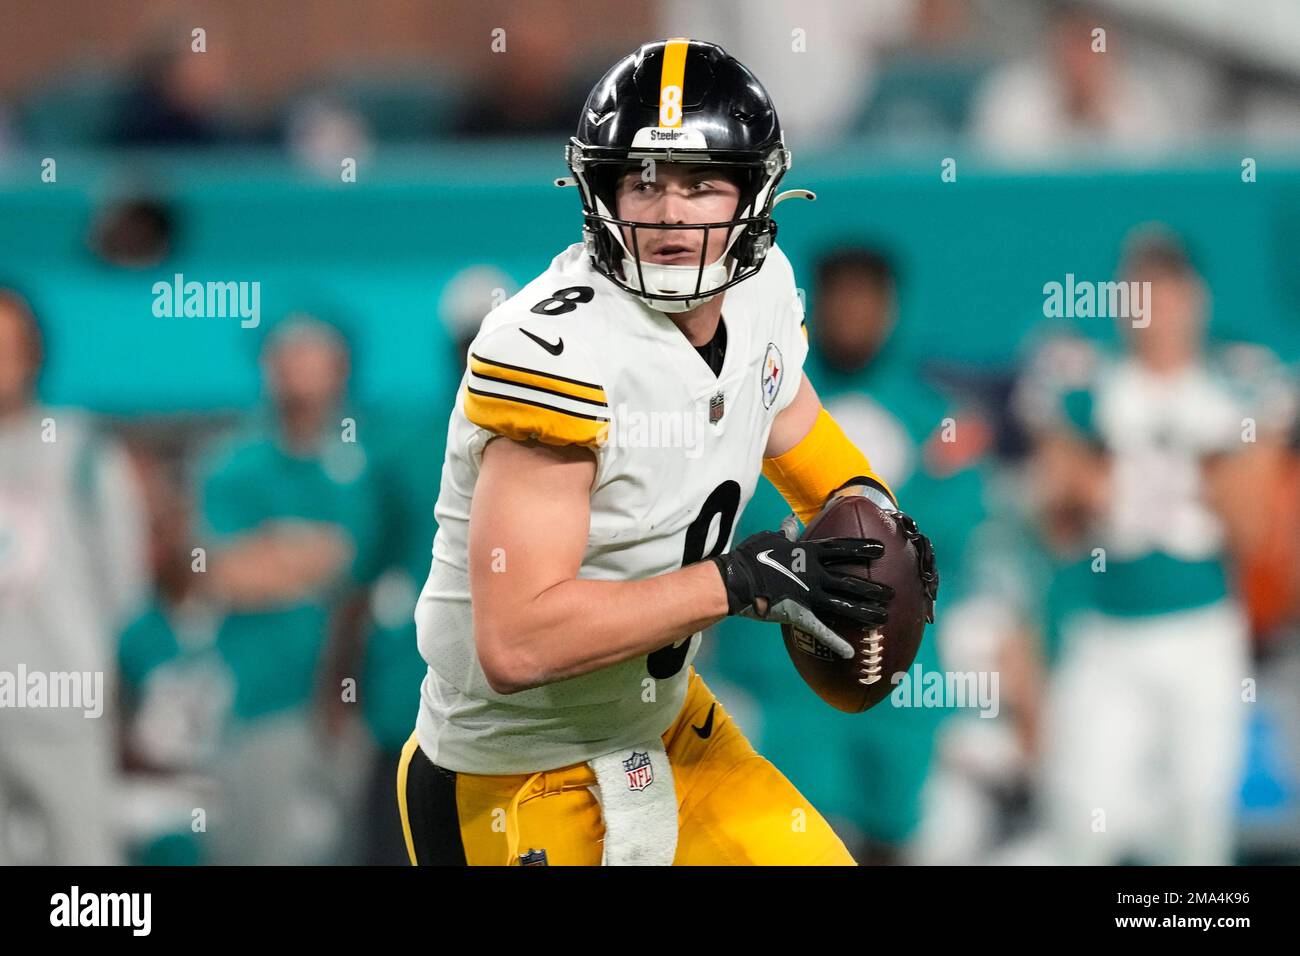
678, 101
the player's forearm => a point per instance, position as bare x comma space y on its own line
578, 626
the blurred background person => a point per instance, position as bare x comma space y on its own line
177, 94
1262, 530
288, 515
136, 232
72, 568
1266, 554
1146, 715
1028, 577
175, 690
826, 45
535, 85
1072, 96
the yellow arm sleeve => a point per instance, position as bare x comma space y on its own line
822, 462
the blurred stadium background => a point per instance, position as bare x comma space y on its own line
383, 173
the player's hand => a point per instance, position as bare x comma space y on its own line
926, 569
771, 577
925, 566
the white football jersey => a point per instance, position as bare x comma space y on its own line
1159, 429
1162, 538
572, 359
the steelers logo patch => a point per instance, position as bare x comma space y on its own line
773, 369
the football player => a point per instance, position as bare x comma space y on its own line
611, 426
1145, 716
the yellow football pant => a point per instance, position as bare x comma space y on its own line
733, 806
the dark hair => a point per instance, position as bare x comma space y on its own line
134, 231
1155, 248
872, 264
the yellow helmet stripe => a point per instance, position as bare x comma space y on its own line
671, 79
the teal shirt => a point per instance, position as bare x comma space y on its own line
408, 456
147, 644
273, 655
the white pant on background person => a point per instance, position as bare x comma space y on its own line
58, 793
1144, 737
278, 799
73, 571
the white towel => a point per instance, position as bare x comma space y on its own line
639, 802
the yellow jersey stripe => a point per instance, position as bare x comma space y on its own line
521, 419
542, 381
484, 377
672, 77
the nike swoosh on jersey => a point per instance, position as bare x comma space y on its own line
707, 729
555, 349
764, 559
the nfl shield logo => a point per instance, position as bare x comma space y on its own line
639, 772
716, 408
811, 646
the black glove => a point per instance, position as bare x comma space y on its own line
876, 492
924, 560
795, 582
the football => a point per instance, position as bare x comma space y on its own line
856, 684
